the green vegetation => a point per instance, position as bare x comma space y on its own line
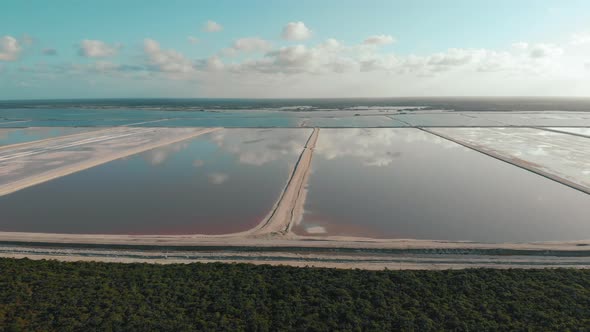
57, 296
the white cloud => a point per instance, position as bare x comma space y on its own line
97, 49
538, 51
379, 40
452, 57
212, 26
251, 44
544, 50
332, 57
9, 48
296, 31
520, 45
331, 43
580, 39
214, 63
291, 59
169, 61
192, 40
332, 68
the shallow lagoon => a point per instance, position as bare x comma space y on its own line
406, 183
221, 182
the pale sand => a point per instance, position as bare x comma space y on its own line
290, 202
366, 263
282, 240
23, 144
97, 160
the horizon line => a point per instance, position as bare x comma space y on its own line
300, 98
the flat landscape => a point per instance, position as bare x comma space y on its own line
374, 187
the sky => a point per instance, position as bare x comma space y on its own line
293, 49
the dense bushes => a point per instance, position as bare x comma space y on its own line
50, 295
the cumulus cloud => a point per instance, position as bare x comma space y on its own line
330, 67
296, 31
453, 57
97, 49
331, 43
333, 57
49, 51
192, 40
214, 63
379, 40
544, 50
538, 51
250, 44
212, 26
169, 61
9, 48
580, 39
291, 59
520, 45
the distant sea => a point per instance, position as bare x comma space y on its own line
448, 103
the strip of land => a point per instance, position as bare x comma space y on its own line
290, 204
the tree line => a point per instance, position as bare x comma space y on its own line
90, 296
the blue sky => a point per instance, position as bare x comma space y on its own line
79, 49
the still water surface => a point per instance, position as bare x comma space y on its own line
222, 182
406, 183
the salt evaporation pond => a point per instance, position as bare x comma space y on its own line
222, 182
406, 183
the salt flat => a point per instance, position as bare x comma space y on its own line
556, 152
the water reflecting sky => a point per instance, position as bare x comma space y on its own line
222, 182
405, 183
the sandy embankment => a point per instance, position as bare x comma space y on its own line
290, 203
300, 259
50, 139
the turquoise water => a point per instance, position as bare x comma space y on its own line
383, 112
222, 182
